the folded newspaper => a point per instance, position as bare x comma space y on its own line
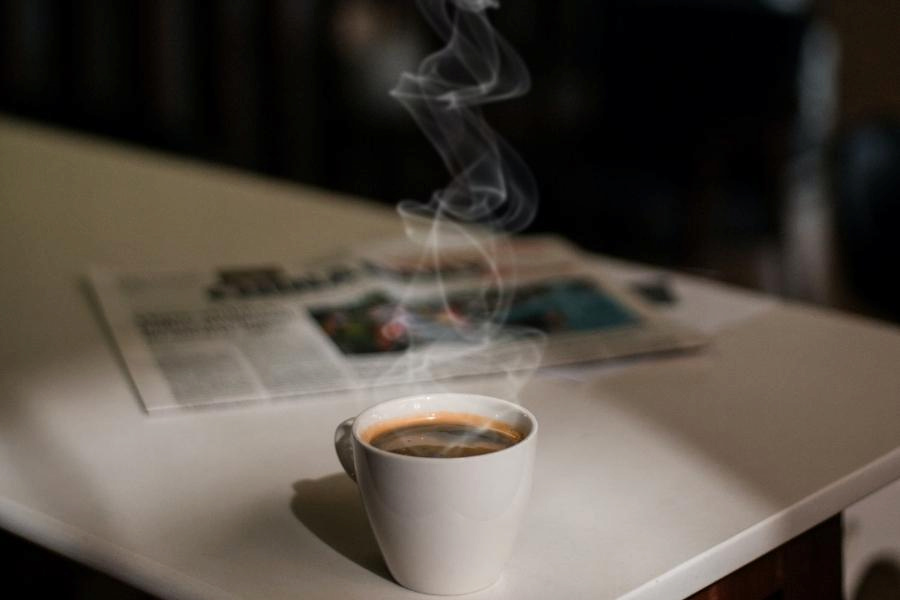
374, 316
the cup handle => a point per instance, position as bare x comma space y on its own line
343, 445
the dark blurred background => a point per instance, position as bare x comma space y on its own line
752, 141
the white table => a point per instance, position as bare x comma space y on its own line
655, 477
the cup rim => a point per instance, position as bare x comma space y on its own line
455, 460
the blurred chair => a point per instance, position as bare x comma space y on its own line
867, 196
881, 581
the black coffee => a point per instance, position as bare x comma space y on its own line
446, 436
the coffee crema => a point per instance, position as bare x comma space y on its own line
443, 435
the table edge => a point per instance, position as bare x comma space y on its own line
717, 562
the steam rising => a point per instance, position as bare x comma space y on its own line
491, 192
491, 184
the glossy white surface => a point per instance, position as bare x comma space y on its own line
445, 526
654, 477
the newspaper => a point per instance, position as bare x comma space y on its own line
372, 316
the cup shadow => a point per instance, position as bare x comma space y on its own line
330, 507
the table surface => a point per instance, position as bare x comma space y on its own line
654, 477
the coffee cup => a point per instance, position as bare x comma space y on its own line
445, 479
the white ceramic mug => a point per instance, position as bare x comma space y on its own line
444, 525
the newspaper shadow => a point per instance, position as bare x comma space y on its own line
90, 296
330, 507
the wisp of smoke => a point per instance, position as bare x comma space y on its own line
491, 194
490, 183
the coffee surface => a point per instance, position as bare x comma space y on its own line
444, 436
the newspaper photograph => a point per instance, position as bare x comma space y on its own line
377, 315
